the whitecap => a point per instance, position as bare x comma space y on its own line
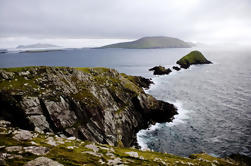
181, 116
142, 135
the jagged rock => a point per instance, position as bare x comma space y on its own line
160, 70
43, 161
157, 111
6, 75
176, 68
4, 123
193, 58
22, 135
95, 104
36, 150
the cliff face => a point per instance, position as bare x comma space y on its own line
95, 104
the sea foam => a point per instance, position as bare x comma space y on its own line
142, 136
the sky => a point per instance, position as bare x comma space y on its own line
84, 23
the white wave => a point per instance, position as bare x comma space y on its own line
142, 135
182, 115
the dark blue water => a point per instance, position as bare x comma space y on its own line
214, 101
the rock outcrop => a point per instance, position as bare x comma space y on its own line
193, 58
176, 68
160, 70
95, 104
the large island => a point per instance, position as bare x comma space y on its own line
152, 42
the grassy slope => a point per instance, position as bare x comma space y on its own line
76, 152
194, 57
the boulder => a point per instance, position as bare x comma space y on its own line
160, 70
176, 68
193, 58
36, 150
22, 135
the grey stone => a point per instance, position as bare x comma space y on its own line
18, 149
43, 161
133, 154
36, 150
22, 135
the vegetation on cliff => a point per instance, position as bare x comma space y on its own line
22, 147
193, 58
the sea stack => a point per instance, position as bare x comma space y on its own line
160, 70
193, 58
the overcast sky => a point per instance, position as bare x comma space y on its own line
206, 21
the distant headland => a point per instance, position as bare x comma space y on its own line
152, 42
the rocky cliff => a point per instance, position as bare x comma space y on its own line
95, 104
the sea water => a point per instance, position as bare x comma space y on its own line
213, 101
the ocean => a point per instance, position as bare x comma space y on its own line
213, 101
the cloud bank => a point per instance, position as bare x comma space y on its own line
191, 20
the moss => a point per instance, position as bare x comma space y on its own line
17, 69
96, 70
18, 83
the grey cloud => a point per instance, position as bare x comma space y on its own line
186, 19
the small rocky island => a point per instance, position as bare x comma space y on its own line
160, 70
193, 58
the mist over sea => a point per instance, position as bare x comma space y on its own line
213, 101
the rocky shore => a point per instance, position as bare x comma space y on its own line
81, 116
95, 104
